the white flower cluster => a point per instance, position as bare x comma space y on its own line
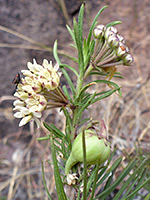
110, 48
71, 179
37, 80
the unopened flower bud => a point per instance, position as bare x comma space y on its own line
128, 59
71, 179
109, 33
97, 150
99, 31
112, 28
122, 49
121, 39
113, 41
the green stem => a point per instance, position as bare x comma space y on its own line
95, 180
61, 94
88, 71
74, 123
44, 181
79, 84
70, 162
85, 165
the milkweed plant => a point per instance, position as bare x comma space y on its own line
86, 162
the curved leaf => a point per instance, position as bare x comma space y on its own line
71, 68
93, 25
113, 23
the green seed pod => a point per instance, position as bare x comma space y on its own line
97, 150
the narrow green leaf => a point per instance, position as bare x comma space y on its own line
107, 82
86, 105
55, 52
43, 138
126, 183
105, 74
57, 130
136, 190
63, 147
54, 131
107, 94
71, 68
93, 25
136, 172
66, 113
69, 81
91, 179
79, 46
92, 45
58, 182
71, 33
88, 53
80, 24
72, 45
125, 172
84, 89
68, 127
44, 181
95, 180
98, 81
74, 59
65, 90
113, 23
138, 181
112, 168
58, 150
108, 183
83, 121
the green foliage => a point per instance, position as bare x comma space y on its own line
133, 177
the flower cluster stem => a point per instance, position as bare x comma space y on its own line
90, 68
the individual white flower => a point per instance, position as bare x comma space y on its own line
36, 103
18, 103
25, 113
22, 112
27, 73
48, 75
21, 95
25, 120
34, 68
32, 85
71, 179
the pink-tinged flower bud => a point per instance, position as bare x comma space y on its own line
113, 41
121, 39
109, 33
97, 150
112, 28
128, 59
99, 31
122, 49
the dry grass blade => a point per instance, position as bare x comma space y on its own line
41, 46
64, 10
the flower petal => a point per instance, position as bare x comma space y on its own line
25, 120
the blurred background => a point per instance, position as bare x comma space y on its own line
28, 26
